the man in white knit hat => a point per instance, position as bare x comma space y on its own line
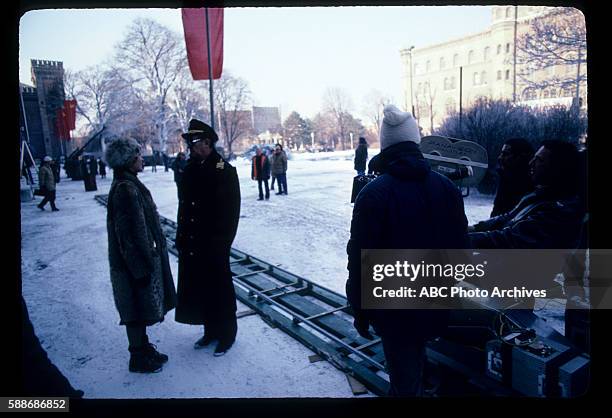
407, 206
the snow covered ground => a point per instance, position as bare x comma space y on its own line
67, 288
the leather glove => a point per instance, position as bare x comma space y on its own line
362, 326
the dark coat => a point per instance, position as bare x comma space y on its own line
511, 189
260, 167
408, 206
361, 156
542, 219
137, 252
102, 167
46, 178
279, 163
178, 166
209, 208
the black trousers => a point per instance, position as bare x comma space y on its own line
265, 182
223, 328
405, 356
49, 197
282, 182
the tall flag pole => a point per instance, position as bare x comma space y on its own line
210, 74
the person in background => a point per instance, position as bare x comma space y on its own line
141, 278
178, 167
102, 168
361, 156
260, 171
46, 182
279, 168
514, 179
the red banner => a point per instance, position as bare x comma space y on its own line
60, 125
70, 111
194, 26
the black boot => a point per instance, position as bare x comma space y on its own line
204, 341
223, 347
141, 361
152, 350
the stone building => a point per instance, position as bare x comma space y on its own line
484, 64
29, 121
48, 78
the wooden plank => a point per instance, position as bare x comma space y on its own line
248, 312
356, 386
315, 358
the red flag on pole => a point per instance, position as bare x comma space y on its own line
70, 111
194, 26
60, 124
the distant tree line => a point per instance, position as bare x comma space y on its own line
491, 122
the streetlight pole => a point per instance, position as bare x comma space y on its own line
411, 70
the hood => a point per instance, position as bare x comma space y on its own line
405, 161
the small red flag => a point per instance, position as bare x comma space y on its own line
194, 26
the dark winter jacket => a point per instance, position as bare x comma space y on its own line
511, 189
178, 166
543, 219
46, 179
209, 209
279, 163
260, 167
408, 206
102, 167
361, 156
140, 272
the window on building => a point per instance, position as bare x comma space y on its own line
509, 12
499, 74
553, 93
428, 66
486, 53
483, 77
475, 80
546, 94
455, 60
508, 48
498, 49
507, 74
442, 63
470, 57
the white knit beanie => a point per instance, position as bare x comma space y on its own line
398, 126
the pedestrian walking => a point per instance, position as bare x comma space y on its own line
46, 183
260, 171
279, 168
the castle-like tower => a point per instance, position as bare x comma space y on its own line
48, 77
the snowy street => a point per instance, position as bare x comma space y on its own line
66, 286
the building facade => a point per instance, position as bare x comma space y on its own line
266, 119
441, 78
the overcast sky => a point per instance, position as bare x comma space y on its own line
289, 56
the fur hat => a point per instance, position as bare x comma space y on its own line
398, 126
121, 152
197, 131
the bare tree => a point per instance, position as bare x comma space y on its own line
232, 98
375, 102
187, 99
555, 39
152, 55
104, 99
337, 102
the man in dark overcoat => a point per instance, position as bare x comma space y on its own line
209, 208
